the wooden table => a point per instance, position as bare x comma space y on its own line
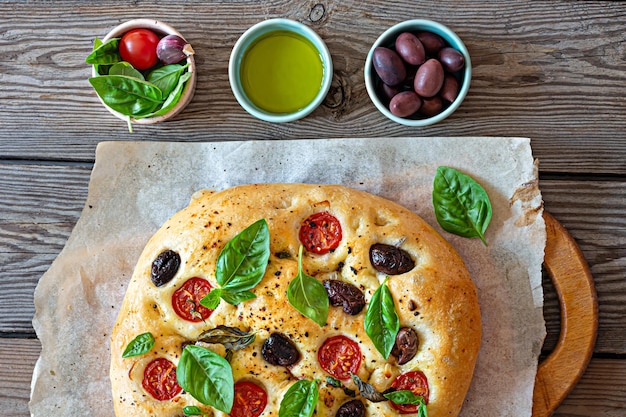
554, 71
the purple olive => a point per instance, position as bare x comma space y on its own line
410, 49
388, 65
405, 104
451, 59
172, 49
429, 78
450, 88
432, 42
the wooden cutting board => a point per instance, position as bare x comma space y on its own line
560, 372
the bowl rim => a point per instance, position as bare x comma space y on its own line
412, 25
260, 29
164, 29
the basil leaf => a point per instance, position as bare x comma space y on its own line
308, 295
243, 261
124, 68
141, 344
166, 77
173, 98
106, 53
422, 411
381, 320
192, 410
404, 397
299, 400
368, 391
231, 337
235, 298
207, 377
212, 299
127, 95
461, 205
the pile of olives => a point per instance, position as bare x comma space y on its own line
419, 76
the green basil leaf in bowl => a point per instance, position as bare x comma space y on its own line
461, 204
126, 95
173, 98
166, 77
124, 68
104, 53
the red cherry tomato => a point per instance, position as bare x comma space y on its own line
414, 381
159, 379
250, 400
320, 232
340, 357
138, 48
186, 300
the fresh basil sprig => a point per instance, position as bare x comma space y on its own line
240, 266
300, 399
140, 345
207, 376
461, 204
308, 295
381, 320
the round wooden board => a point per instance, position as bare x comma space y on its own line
559, 373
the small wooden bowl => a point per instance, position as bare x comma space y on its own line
161, 29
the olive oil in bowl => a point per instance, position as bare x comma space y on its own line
281, 72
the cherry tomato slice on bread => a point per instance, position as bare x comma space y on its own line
250, 400
320, 233
186, 300
414, 381
138, 47
340, 357
159, 379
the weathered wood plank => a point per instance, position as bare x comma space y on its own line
16, 375
552, 71
40, 205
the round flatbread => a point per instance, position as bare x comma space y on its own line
384, 251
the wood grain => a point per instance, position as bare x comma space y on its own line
532, 65
549, 70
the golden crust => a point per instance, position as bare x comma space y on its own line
437, 297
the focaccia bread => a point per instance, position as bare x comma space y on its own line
335, 235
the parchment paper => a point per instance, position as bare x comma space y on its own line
136, 186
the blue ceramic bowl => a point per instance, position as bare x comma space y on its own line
248, 38
388, 38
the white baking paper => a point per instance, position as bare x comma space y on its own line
136, 186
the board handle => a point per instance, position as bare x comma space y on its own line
569, 272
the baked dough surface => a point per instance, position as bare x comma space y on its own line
437, 298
